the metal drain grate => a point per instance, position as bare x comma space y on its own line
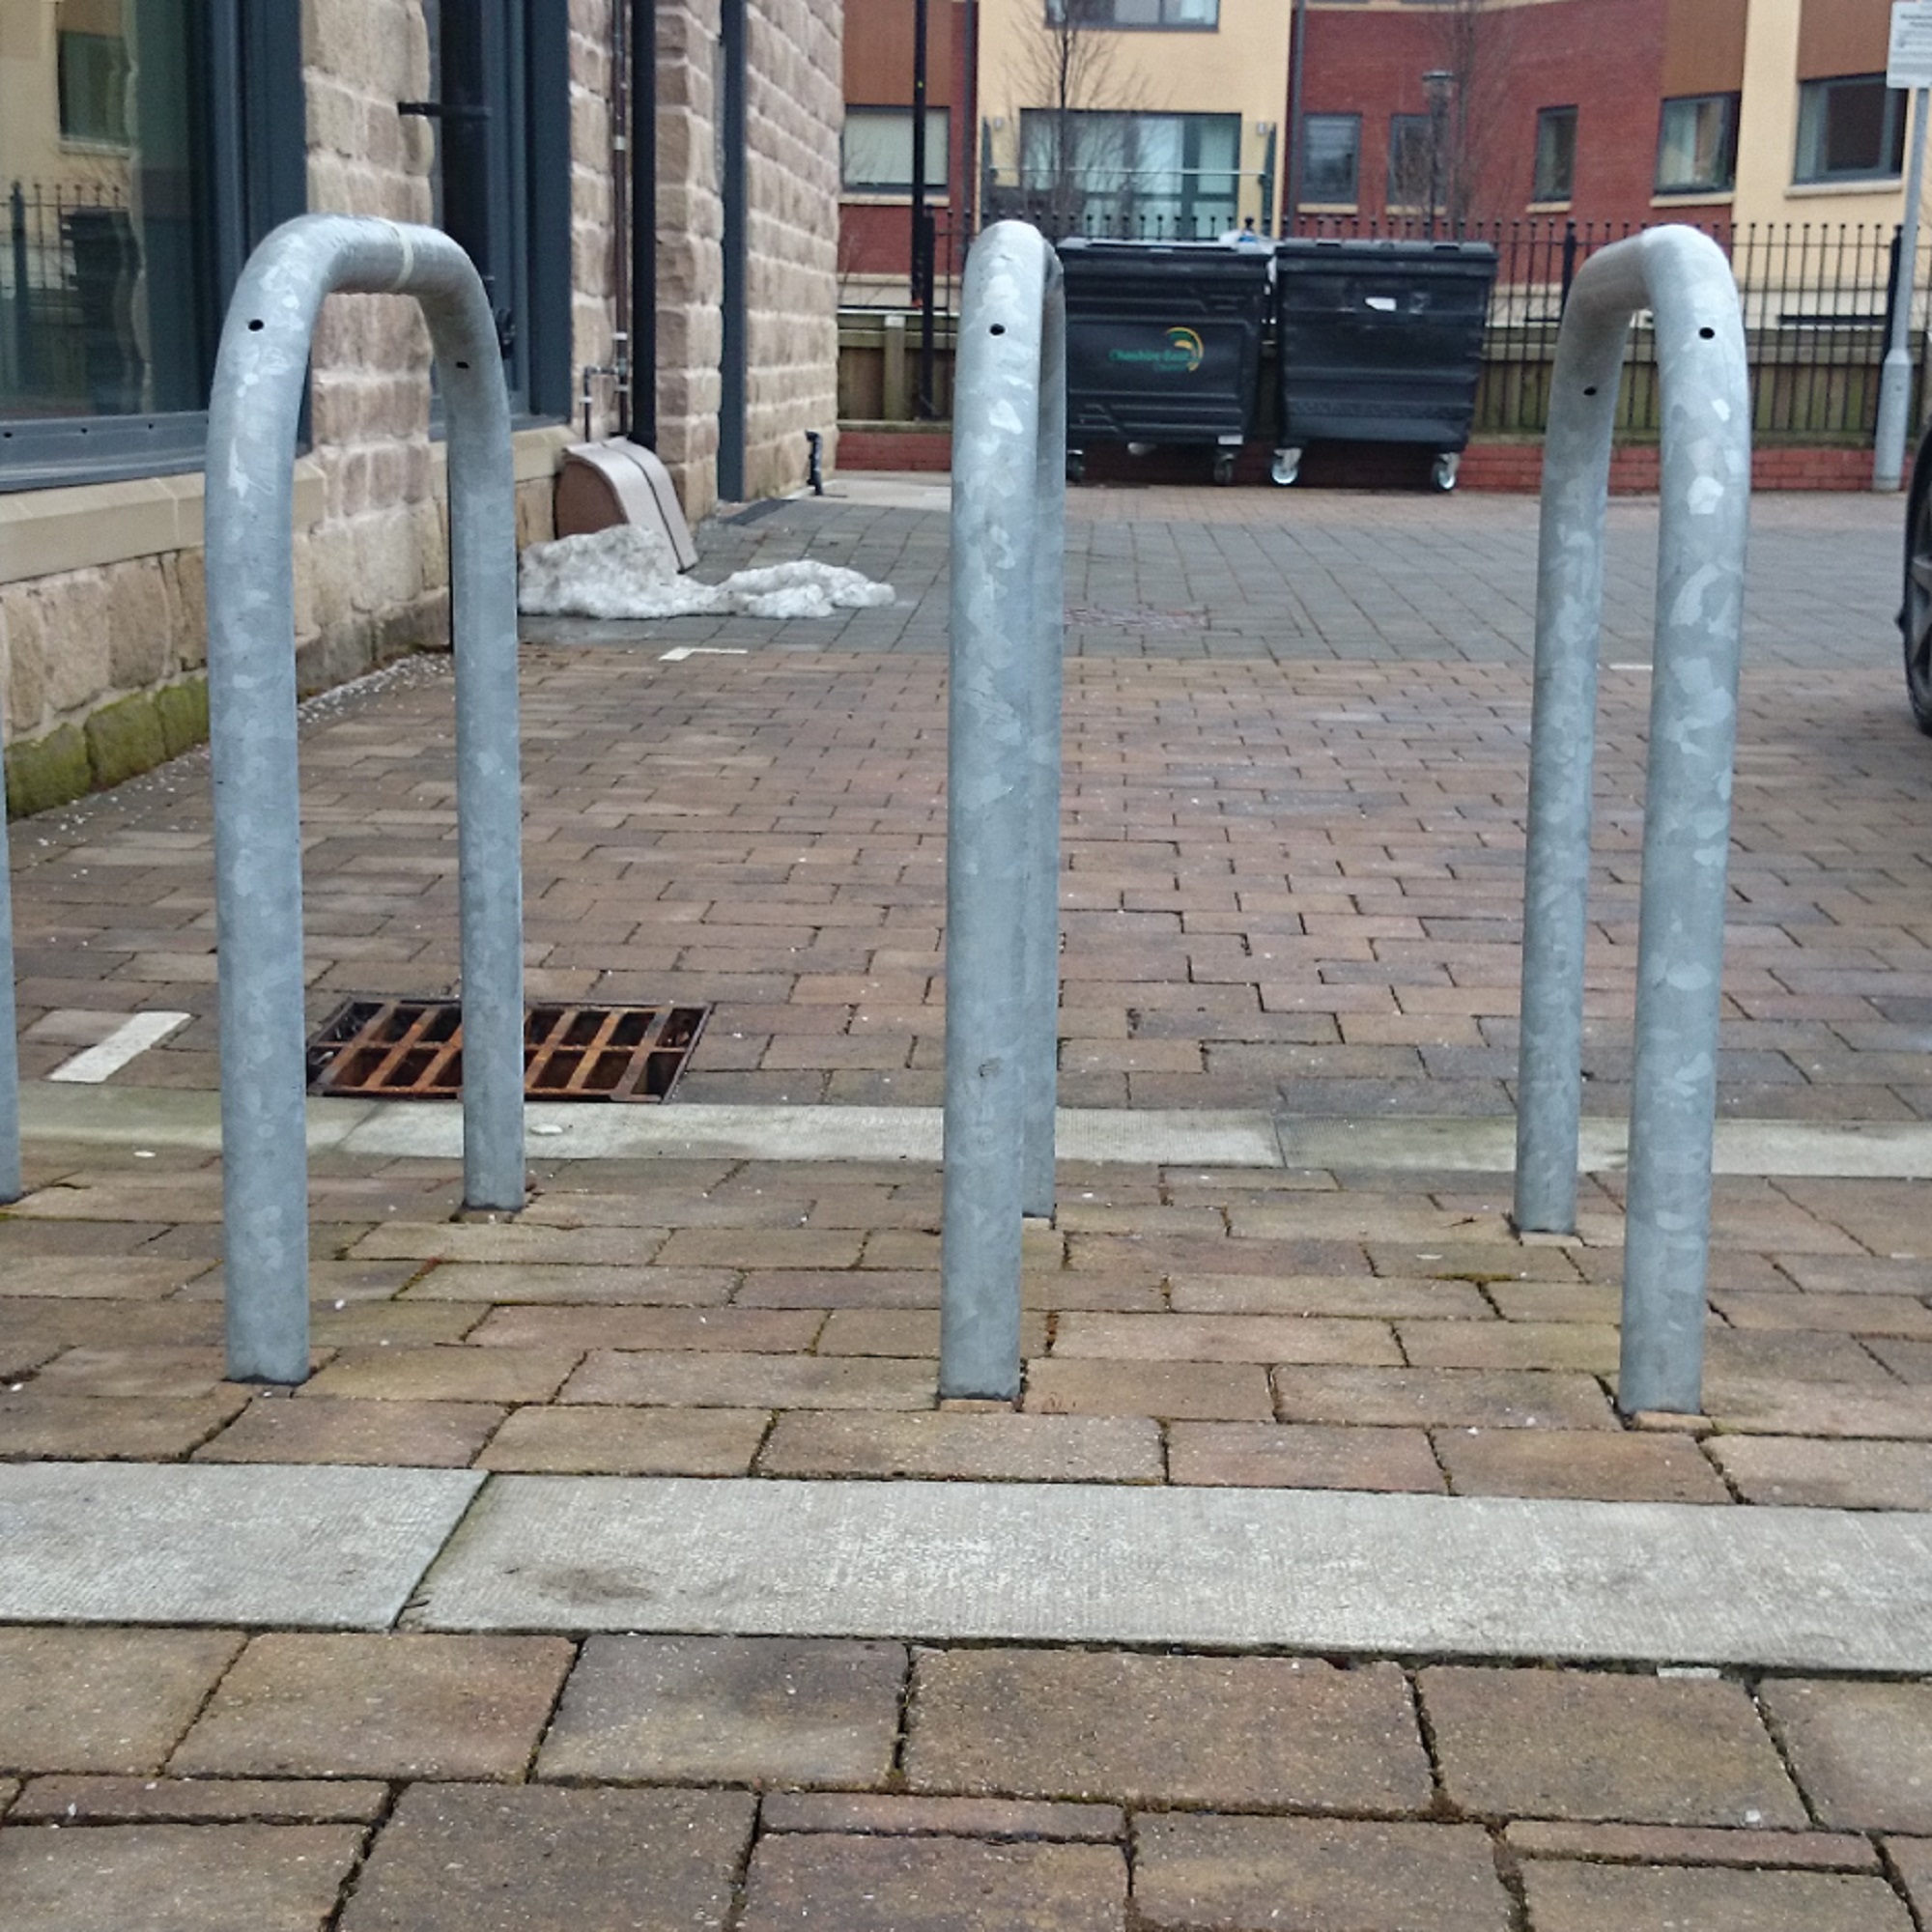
412, 1050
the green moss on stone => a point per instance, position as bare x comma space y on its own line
183, 709
46, 772
124, 739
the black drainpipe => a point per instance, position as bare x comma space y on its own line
732, 357
643, 138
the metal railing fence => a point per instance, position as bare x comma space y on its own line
68, 263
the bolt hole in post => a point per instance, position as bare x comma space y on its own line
1684, 279
260, 376
1002, 798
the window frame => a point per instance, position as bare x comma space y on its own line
252, 151
1727, 144
938, 146
1812, 97
1195, 208
1394, 183
1352, 199
1550, 118
1098, 16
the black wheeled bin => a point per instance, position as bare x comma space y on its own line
1164, 344
1380, 342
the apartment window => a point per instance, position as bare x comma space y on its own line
876, 151
1697, 145
1415, 167
146, 145
92, 74
1201, 16
1555, 176
1331, 158
500, 177
1098, 172
1851, 129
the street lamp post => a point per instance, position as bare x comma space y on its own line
1439, 84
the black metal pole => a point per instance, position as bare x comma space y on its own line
921, 220
644, 136
734, 365
1290, 200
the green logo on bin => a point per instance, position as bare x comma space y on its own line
1185, 352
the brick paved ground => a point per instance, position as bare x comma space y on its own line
1293, 846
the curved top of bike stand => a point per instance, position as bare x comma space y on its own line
259, 376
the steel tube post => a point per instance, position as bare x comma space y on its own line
1683, 277
993, 774
1041, 916
1894, 384
11, 1182
259, 379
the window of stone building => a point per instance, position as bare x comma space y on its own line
1556, 173
1697, 145
143, 145
1197, 15
1851, 129
1331, 160
875, 152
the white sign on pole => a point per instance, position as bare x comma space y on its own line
1909, 62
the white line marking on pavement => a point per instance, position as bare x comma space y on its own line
127, 1041
679, 652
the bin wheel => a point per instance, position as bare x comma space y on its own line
1443, 474
1286, 466
1076, 465
1224, 465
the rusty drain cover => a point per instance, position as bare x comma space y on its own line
412, 1050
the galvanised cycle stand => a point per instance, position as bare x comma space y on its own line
11, 1182
1009, 541
260, 375
1684, 279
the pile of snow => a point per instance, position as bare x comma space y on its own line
630, 572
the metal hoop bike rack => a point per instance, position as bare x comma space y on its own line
1008, 541
260, 375
1682, 278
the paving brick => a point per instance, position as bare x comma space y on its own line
1912, 1860
1859, 1314
586, 1440
1863, 1752
103, 1700
932, 1885
1301, 1456
1820, 1408
111, 1428
1613, 1898
510, 1241
907, 1332
541, 1282
743, 1710
308, 1705
1686, 1845
762, 1248
1175, 1730
1590, 1463
392, 1325
193, 1800
1000, 1447
1314, 1875
751, 1330
942, 1817
1797, 1471
1362, 1297
1433, 1398
727, 1381
1222, 1338
1510, 1345
451, 1373
485, 1859
1603, 1746
325, 1429
1209, 1391
838, 1287
176, 1878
